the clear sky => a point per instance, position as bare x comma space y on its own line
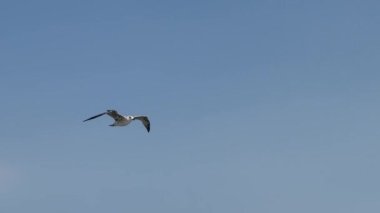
256, 106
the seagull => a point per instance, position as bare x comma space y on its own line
121, 120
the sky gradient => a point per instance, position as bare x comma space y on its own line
255, 106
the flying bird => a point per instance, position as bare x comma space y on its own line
121, 120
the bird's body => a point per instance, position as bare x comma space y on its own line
121, 120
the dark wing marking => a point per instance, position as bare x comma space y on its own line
95, 116
115, 115
145, 121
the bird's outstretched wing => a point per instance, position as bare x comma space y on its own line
114, 114
144, 120
95, 116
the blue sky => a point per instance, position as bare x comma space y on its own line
256, 106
